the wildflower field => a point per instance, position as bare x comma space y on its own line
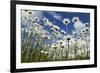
54, 36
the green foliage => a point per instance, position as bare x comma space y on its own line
33, 54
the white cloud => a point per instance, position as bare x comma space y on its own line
55, 15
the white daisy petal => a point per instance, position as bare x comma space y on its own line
66, 21
75, 19
62, 31
56, 27
46, 21
36, 19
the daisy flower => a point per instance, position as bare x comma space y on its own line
62, 31
87, 29
66, 21
68, 37
50, 24
78, 25
46, 21
36, 19
26, 14
75, 19
74, 32
86, 24
56, 27
29, 14
42, 51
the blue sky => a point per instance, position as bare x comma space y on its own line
84, 17
57, 18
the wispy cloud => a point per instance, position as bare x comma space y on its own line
56, 16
